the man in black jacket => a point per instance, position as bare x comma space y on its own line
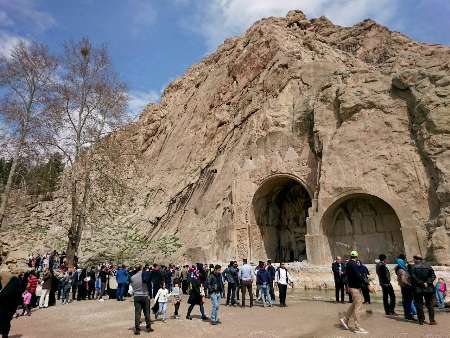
384, 277
215, 289
422, 278
338, 268
231, 277
355, 282
271, 270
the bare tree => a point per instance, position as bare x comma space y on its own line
25, 77
87, 103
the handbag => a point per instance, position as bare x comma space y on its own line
155, 308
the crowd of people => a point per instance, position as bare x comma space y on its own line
416, 281
49, 280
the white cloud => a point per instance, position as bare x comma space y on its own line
5, 20
143, 15
25, 12
220, 19
8, 42
139, 99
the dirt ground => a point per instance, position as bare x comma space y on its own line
307, 315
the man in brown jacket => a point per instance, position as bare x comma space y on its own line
46, 286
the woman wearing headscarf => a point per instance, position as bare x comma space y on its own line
404, 281
196, 296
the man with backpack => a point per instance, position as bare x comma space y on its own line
282, 279
355, 282
422, 278
231, 277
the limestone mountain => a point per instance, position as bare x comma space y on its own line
299, 140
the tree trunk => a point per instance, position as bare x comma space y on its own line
71, 244
7, 191
78, 220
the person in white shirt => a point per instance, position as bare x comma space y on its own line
282, 279
162, 297
246, 275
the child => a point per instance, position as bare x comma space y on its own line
441, 292
26, 303
162, 296
177, 294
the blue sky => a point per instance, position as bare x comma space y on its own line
151, 42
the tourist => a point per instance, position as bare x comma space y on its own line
156, 278
422, 278
282, 280
271, 271
364, 288
355, 281
32, 283
184, 279
258, 287
122, 282
263, 280
215, 289
246, 276
10, 299
141, 300
98, 287
46, 286
231, 277
82, 285
177, 294
384, 277
404, 281
26, 297
67, 281
195, 296
441, 292
338, 268
103, 276
75, 282
162, 297
91, 283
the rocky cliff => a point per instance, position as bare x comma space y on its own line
342, 108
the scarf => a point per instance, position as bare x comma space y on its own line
401, 264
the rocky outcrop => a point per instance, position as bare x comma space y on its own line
341, 109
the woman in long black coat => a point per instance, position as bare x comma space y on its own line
195, 298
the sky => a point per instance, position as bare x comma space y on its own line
152, 42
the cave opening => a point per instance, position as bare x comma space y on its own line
281, 208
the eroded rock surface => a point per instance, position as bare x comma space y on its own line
343, 110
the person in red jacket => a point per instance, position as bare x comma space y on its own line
32, 284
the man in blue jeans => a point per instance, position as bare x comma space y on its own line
122, 281
215, 288
263, 280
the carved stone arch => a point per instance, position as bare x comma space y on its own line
278, 215
384, 236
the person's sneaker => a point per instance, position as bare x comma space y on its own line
214, 323
137, 332
189, 317
394, 313
433, 322
344, 323
102, 300
149, 329
360, 330
205, 318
